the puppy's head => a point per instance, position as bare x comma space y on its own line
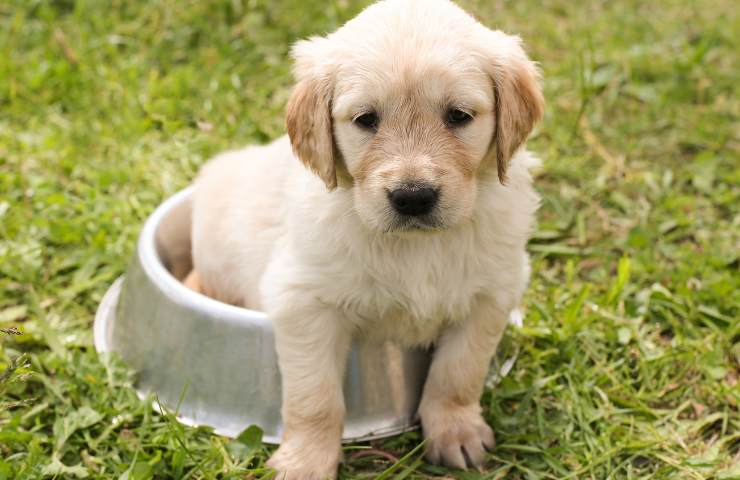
411, 104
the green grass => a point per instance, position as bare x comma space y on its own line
630, 352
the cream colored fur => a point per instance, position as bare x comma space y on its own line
320, 250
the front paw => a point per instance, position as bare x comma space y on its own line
456, 436
297, 460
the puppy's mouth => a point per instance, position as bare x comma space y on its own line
415, 224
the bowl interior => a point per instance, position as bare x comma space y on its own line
173, 237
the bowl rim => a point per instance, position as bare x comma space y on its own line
172, 288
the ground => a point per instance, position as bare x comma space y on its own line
629, 355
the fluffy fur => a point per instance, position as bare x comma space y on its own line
323, 253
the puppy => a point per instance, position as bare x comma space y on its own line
410, 222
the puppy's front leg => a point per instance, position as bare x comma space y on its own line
312, 348
450, 410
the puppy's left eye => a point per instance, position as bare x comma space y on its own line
367, 121
456, 117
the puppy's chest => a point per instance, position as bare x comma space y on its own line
412, 295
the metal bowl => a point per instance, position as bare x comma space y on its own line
216, 365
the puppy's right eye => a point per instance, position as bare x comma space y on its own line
367, 121
457, 117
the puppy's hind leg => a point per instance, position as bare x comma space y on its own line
192, 281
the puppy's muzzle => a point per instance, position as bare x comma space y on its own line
414, 200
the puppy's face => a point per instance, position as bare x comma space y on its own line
412, 131
411, 104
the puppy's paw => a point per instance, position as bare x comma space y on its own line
295, 460
457, 436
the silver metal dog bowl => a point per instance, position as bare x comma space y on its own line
216, 364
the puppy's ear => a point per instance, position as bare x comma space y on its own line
308, 114
519, 103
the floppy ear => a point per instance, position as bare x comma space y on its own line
519, 103
308, 114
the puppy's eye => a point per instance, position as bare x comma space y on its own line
457, 117
367, 121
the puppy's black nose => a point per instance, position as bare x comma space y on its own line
413, 200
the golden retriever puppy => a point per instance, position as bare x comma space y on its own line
410, 222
